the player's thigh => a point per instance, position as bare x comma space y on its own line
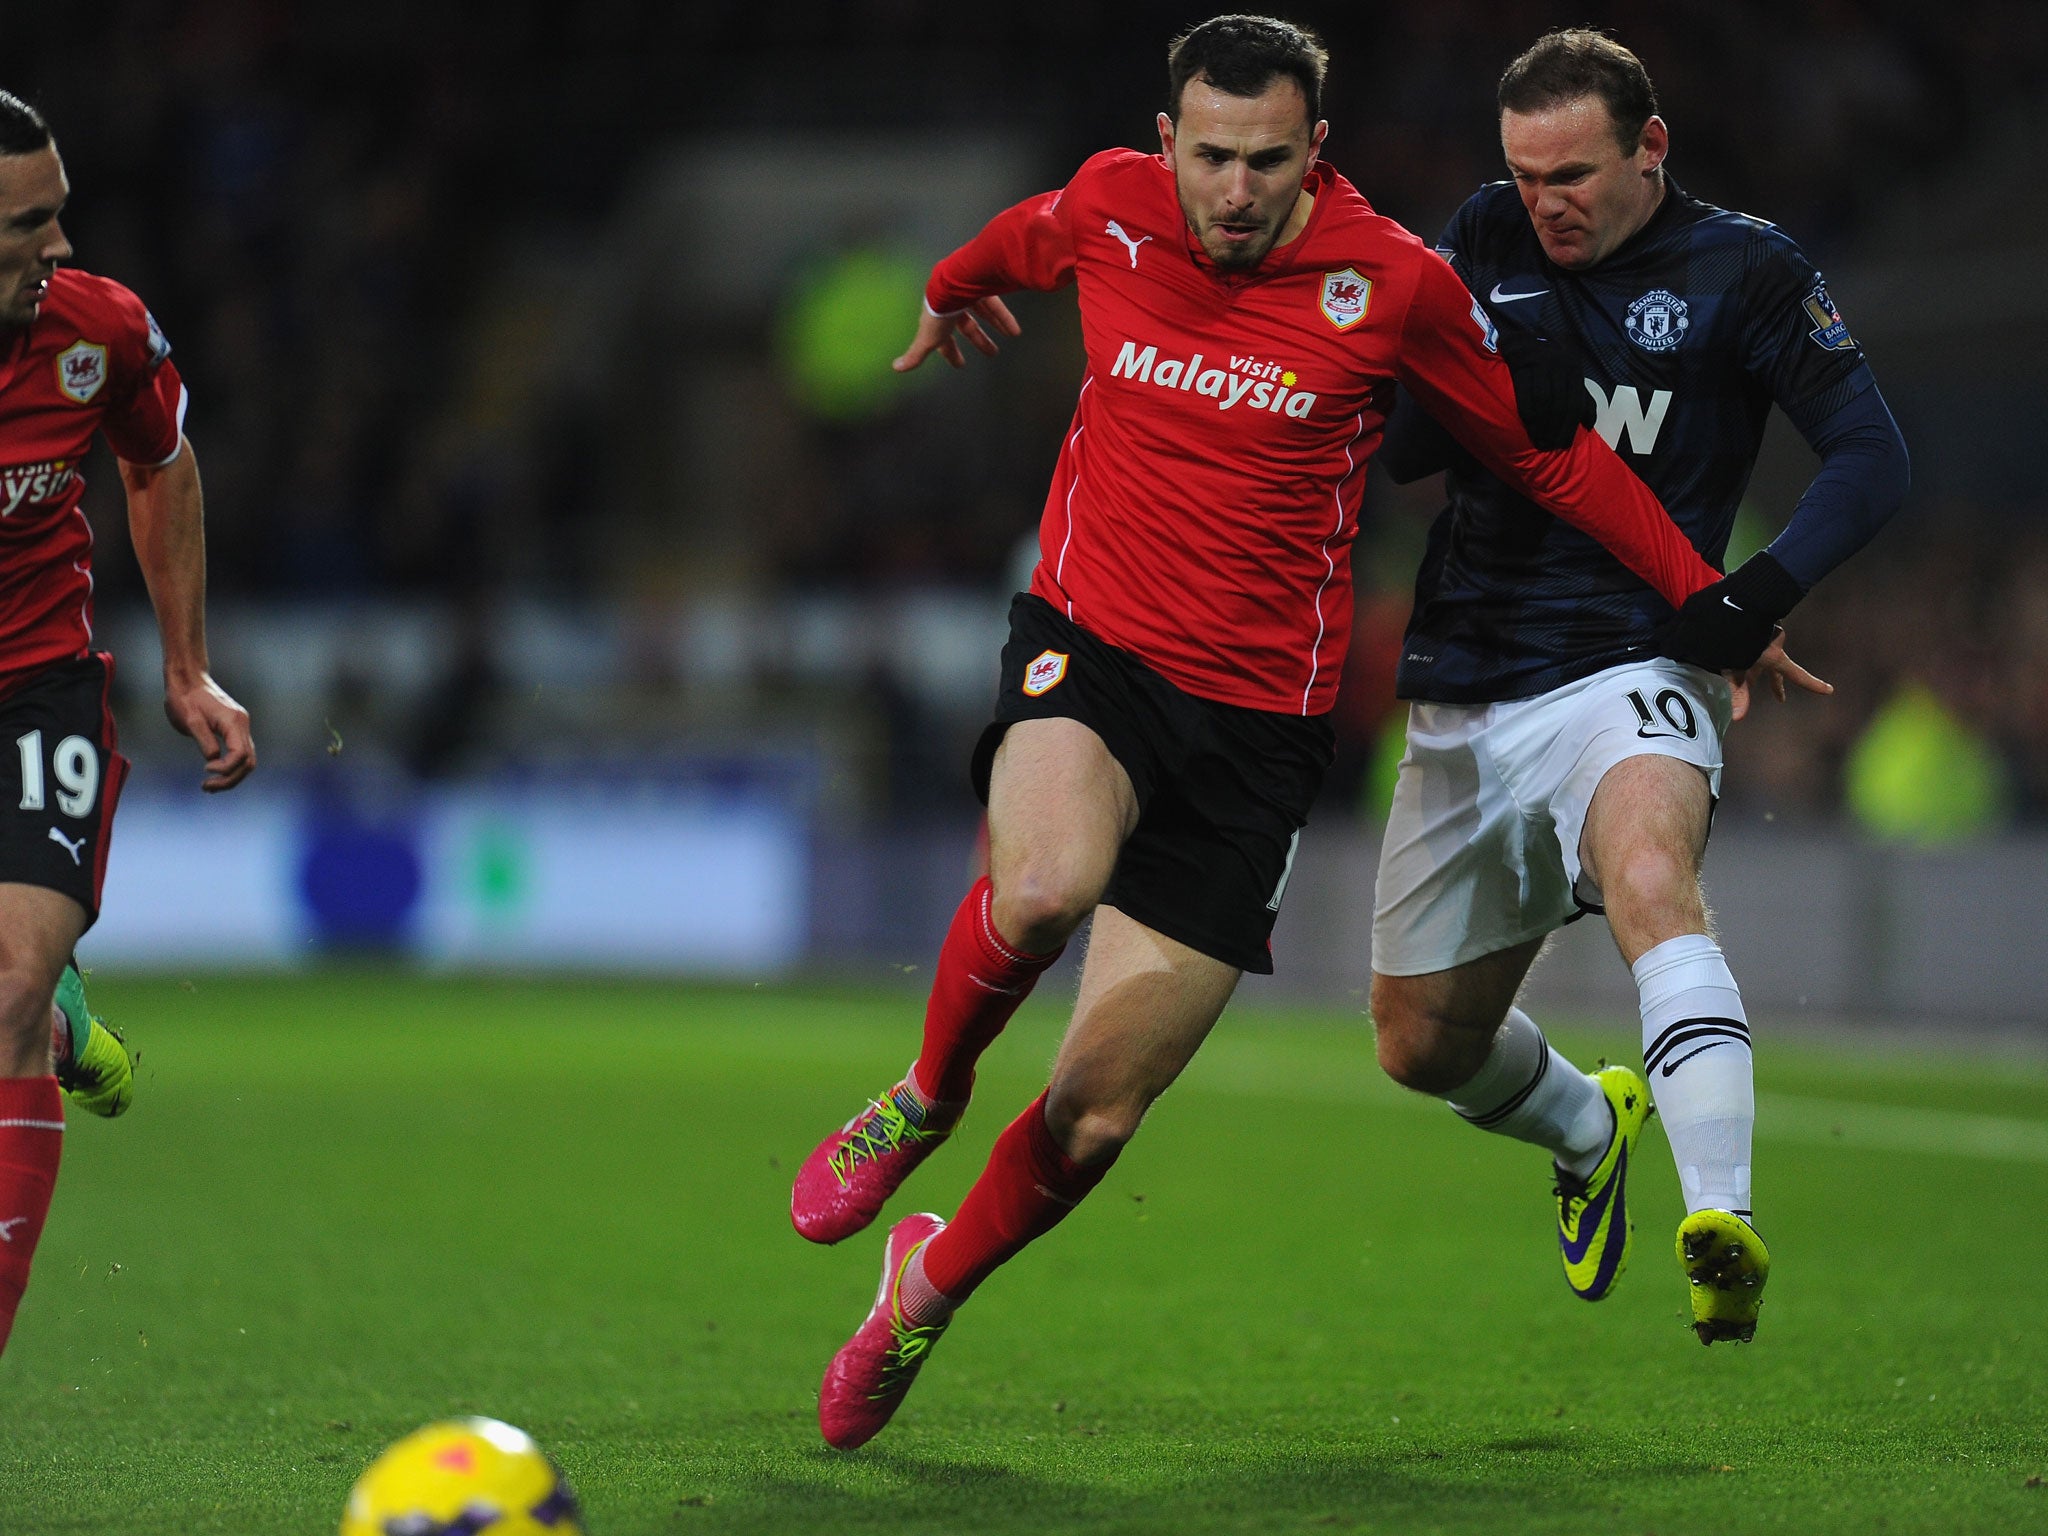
1147, 1002
1059, 807
1466, 999
1628, 763
1645, 834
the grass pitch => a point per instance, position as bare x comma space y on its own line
348, 1204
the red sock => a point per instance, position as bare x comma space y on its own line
981, 980
1025, 1191
31, 1140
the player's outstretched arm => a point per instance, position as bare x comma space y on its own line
166, 519
941, 333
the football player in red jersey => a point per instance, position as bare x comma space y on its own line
1161, 725
78, 355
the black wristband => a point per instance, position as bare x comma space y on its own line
1760, 585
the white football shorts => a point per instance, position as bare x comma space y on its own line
1482, 844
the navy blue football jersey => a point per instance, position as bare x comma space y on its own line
1686, 334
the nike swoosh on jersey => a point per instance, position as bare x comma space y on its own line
1499, 297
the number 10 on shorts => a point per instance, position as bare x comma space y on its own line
75, 765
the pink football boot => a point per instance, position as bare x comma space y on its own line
872, 1372
850, 1176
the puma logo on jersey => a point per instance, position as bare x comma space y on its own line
34, 483
1621, 414
1247, 380
74, 849
7, 1227
1114, 228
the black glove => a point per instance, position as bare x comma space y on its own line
1550, 389
1725, 627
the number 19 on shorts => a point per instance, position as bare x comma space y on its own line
75, 765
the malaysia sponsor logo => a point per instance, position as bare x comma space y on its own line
1830, 330
28, 484
1657, 321
82, 370
1346, 298
1045, 673
1252, 382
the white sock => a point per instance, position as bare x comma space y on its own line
1696, 1057
1528, 1091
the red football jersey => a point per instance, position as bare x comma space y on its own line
93, 360
1207, 494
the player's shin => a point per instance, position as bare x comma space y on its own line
1026, 1190
981, 980
1696, 1056
31, 1142
1529, 1091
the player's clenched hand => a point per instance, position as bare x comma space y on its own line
1780, 669
942, 333
203, 711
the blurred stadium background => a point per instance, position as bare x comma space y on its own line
602, 600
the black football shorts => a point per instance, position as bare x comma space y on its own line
60, 777
1223, 792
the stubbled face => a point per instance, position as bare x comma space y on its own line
1584, 192
1238, 164
33, 189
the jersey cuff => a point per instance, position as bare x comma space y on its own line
943, 314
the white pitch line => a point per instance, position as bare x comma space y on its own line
1236, 1067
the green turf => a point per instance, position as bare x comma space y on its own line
345, 1205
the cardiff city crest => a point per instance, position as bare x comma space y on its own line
82, 370
1346, 297
1045, 673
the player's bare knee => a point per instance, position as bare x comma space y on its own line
1097, 1135
24, 1005
1090, 1129
1649, 881
1037, 909
1434, 1061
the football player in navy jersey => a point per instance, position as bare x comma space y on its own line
1564, 752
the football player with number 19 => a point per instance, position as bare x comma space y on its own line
1563, 756
79, 355
1161, 723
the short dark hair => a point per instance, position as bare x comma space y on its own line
22, 129
1575, 62
1241, 56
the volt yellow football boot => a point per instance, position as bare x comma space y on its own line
1592, 1213
1727, 1263
96, 1073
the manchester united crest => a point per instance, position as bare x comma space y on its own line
1657, 321
82, 370
1346, 297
